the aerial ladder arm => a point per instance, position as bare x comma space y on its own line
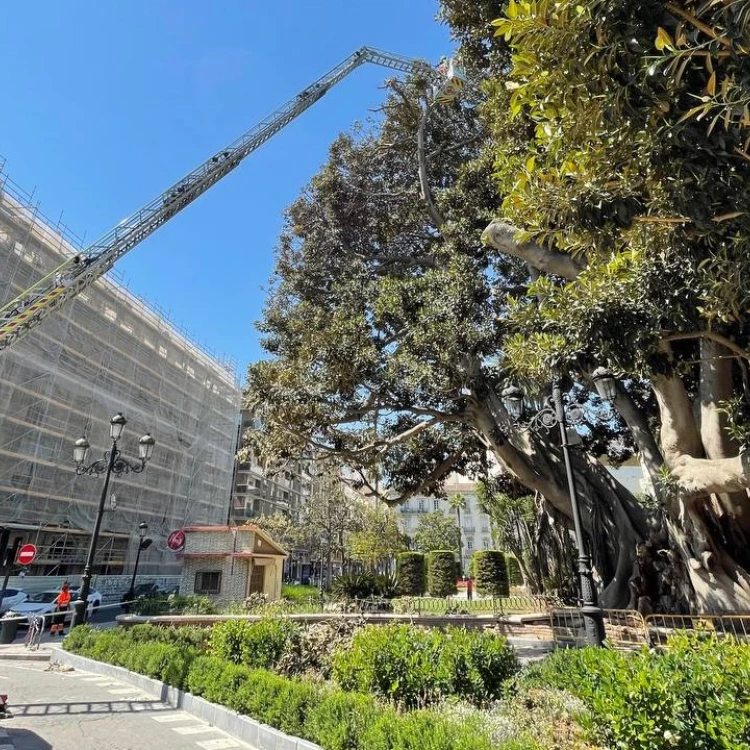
78, 272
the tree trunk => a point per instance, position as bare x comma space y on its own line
614, 523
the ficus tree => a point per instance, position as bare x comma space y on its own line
587, 209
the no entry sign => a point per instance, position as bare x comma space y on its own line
26, 555
176, 540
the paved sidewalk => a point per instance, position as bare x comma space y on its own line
78, 710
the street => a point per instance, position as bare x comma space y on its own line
74, 710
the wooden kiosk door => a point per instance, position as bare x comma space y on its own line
256, 584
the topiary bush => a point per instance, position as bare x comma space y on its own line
411, 573
491, 573
412, 667
515, 577
442, 572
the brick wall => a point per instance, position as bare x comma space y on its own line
234, 574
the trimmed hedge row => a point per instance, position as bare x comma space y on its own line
414, 668
331, 718
442, 572
491, 573
410, 571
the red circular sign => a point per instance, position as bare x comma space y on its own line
176, 540
26, 555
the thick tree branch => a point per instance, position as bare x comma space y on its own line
711, 336
715, 386
501, 237
698, 477
424, 182
639, 428
679, 432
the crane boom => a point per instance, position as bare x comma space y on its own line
63, 284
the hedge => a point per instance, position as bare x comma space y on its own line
413, 668
491, 573
442, 572
410, 570
515, 577
331, 718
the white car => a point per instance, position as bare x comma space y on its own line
94, 597
11, 597
43, 603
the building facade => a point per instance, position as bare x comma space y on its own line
260, 491
476, 533
106, 352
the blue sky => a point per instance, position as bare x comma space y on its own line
106, 104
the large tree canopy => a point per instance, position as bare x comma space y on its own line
591, 211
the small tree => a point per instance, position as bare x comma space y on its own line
491, 573
441, 573
515, 576
410, 570
377, 540
436, 532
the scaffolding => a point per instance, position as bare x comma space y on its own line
107, 351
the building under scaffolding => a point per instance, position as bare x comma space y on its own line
106, 352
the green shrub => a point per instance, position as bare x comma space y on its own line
339, 720
441, 573
386, 586
413, 668
186, 635
254, 644
695, 694
410, 570
354, 586
491, 573
80, 640
409, 732
297, 593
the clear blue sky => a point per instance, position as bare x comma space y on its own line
105, 104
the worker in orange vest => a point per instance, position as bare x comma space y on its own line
62, 605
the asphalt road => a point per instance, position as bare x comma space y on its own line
77, 710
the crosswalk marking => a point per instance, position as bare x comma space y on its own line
194, 730
224, 742
181, 716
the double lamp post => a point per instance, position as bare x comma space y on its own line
113, 462
558, 412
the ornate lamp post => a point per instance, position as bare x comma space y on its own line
142, 544
112, 463
557, 412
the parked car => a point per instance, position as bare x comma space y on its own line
43, 603
10, 597
94, 597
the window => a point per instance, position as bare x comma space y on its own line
208, 582
470, 544
436, 504
421, 505
486, 543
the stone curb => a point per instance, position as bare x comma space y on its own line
25, 656
259, 736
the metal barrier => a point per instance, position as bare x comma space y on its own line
625, 629
661, 626
421, 605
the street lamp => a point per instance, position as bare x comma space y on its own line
142, 544
554, 412
112, 463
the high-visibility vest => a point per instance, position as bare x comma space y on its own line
63, 598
